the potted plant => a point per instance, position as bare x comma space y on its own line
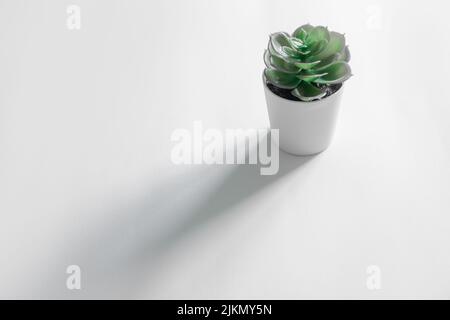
303, 83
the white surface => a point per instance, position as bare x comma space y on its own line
86, 177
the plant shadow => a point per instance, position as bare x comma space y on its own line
118, 257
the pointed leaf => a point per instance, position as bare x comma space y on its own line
317, 47
304, 51
280, 53
306, 65
308, 92
318, 33
281, 79
337, 72
278, 41
291, 52
296, 43
327, 62
283, 65
310, 77
335, 45
267, 58
302, 31
283, 56
345, 54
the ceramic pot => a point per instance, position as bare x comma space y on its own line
305, 128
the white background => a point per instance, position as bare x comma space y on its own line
86, 177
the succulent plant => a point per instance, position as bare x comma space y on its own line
308, 62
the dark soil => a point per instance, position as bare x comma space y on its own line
286, 93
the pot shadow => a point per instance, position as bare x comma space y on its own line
243, 182
117, 258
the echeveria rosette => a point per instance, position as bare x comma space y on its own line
307, 62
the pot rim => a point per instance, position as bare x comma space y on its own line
335, 94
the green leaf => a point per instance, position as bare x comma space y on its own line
308, 92
278, 41
282, 65
310, 77
281, 53
327, 62
302, 32
335, 45
295, 54
296, 43
291, 52
304, 51
267, 61
317, 47
337, 72
318, 33
345, 54
306, 65
283, 56
281, 79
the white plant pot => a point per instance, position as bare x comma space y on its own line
305, 128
